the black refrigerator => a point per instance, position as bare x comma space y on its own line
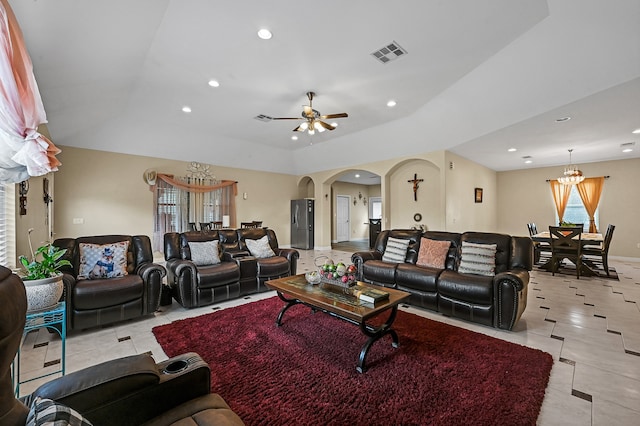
302, 224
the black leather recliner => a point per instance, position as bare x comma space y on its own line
238, 274
496, 301
97, 302
127, 391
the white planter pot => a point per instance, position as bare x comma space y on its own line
44, 293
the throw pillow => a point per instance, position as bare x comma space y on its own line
48, 412
396, 250
433, 253
103, 261
478, 259
260, 248
204, 253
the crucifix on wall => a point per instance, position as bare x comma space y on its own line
415, 181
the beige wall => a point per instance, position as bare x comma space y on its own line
36, 217
525, 196
463, 213
107, 192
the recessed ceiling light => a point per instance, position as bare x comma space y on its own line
627, 150
186, 109
512, 150
528, 162
562, 119
294, 137
636, 131
391, 103
357, 175
334, 124
264, 34
214, 83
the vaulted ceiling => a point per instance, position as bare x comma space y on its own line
477, 78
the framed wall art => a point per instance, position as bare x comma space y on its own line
478, 195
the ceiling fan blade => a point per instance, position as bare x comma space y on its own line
340, 115
323, 124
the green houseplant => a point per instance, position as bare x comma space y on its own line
43, 279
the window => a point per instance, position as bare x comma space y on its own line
176, 207
575, 211
375, 208
7, 226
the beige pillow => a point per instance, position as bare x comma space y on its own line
433, 253
204, 253
478, 259
260, 248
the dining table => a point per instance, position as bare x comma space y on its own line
587, 238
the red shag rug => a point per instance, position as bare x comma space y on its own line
303, 373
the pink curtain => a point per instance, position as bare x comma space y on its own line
23, 151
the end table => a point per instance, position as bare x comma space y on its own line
54, 318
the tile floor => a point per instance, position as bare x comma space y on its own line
590, 326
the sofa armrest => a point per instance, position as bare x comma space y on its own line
129, 390
292, 256
510, 293
358, 258
184, 281
152, 275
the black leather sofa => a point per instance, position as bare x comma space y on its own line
96, 302
127, 391
238, 274
497, 301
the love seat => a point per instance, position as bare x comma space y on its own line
454, 287
235, 268
112, 278
127, 391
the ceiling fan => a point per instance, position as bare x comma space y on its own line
313, 118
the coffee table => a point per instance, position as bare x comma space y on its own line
334, 301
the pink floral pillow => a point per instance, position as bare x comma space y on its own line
433, 253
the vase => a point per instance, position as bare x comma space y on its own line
44, 293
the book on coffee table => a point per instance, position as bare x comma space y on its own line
368, 294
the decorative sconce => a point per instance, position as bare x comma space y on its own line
22, 190
361, 198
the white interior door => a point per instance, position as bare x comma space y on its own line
343, 227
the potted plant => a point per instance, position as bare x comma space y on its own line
43, 279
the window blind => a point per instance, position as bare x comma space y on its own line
7, 225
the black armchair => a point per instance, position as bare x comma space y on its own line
128, 391
95, 302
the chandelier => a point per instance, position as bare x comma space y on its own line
572, 175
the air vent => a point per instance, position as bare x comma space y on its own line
526, 157
263, 117
627, 145
389, 52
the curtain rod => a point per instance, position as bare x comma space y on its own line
549, 180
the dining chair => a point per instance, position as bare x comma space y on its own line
566, 243
216, 224
192, 226
257, 224
538, 247
601, 251
205, 226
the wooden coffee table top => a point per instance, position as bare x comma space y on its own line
334, 299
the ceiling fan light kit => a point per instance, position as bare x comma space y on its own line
314, 120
